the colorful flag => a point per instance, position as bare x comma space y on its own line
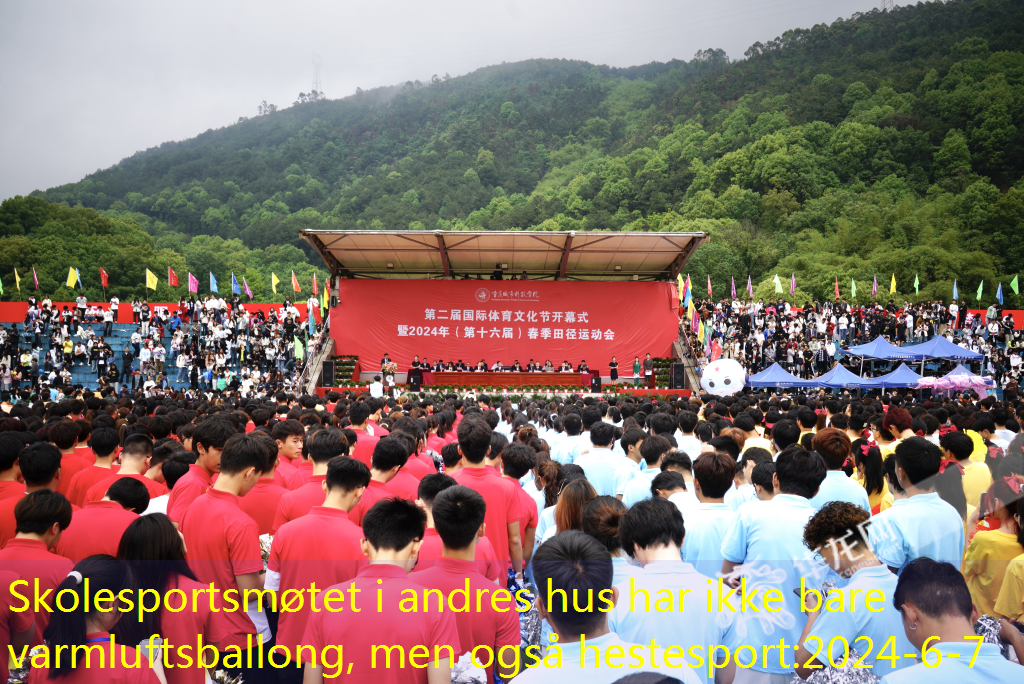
324, 301
172, 277
981, 286
778, 284
999, 294
710, 296
679, 280
750, 287
245, 286
707, 342
1, 287
78, 278
694, 319
716, 350
151, 280
193, 283
956, 293
274, 280
71, 277
874, 285
917, 284
35, 277
892, 286
315, 290
687, 297
213, 283
104, 278
853, 287
733, 286
1013, 285
792, 284
17, 280
235, 287
837, 287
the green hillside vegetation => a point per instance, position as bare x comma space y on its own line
887, 143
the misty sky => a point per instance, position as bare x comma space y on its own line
85, 84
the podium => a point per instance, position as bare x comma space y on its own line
415, 379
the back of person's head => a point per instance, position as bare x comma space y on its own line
39, 511
714, 472
103, 441
11, 447
212, 433
934, 588
601, 517
653, 448
667, 482
744, 422
889, 464
574, 496
578, 565
834, 521
763, 476
130, 493
601, 434
726, 445
958, 444
64, 434
832, 445
39, 464
450, 455
630, 437
242, 452
432, 485
359, 412
919, 459
869, 458
687, 421
518, 459
137, 447
753, 455
175, 466
572, 423
807, 418
389, 453
800, 472
458, 514
392, 524
347, 474
662, 424
323, 445
647, 678
474, 439
785, 433
898, 418
651, 523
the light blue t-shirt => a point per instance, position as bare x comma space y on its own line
924, 526
838, 487
623, 569
637, 618
599, 467
990, 666
767, 539
566, 451
625, 471
737, 496
639, 488
706, 526
860, 622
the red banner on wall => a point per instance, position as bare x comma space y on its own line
505, 321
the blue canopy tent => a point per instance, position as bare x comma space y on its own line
840, 378
777, 376
880, 348
940, 348
901, 377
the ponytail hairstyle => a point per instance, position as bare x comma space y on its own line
870, 458
547, 475
525, 434
67, 627
571, 500
1008, 490
601, 518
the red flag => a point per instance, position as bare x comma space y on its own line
35, 278
315, 290
104, 278
709, 284
295, 283
172, 277
837, 287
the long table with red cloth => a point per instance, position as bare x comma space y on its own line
510, 379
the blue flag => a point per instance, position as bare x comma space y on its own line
999, 294
235, 287
79, 275
213, 283
956, 292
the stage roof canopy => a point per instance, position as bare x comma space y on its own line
543, 255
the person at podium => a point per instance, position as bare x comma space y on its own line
416, 371
385, 360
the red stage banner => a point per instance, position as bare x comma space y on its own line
505, 321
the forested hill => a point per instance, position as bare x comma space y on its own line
888, 143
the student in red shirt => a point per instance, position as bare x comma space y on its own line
389, 455
420, 464
376, 406
84, 435
224, 546
516, 461
104, 443
459, 517
11, 447
64, 435
289, 435
42, 516
404, 484
68, 630
262, 501
40, 467
392, 532
208, 441
502, 507
430, 550
97, 528
16, 627
321, 549
136, 456
321, 447
359, 415
155, 552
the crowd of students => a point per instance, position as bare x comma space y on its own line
609, 524
804, 340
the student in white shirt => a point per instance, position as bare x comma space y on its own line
686, 441
573, 444
711, 518
630, 466
598, 462
376, 388
653, 450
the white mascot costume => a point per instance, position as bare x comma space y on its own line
723, 377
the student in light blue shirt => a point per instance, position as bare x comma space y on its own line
633, 464
742, 490
926, 525
653, 451
575, 563
598, 462
652, 532
834, 446
601, 519
867, 622
765, 547
573, 444
708, 521
938, 619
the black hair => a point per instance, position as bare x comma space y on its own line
388, 453
631, 437
874, 470
11, 447
958, 443
651, 522
348, 474
667, 480
569, 564
474, 439
762, 475
662, 424
601, 517
137, 446
889, 464
130, 493
359, 412
714, 473
573, 424
653, 447
212, 434
935, 588
919, 458
785, 433
450, 455
601, 434
284, 429
175, 466
39, 464
393, 523
243, 451
458, 514
800, 472
687, 421
103, 441
727, 445
518, 459
35, 513
63, 434
433, 484
324, 445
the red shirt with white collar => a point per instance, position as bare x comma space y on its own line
32, 560
97, 528
296, 504
187, 489
261, 503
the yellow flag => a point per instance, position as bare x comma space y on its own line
72, 277
892, 286
274, 280
17, 280
682, 286
151, 280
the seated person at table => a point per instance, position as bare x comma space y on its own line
449, 367
481, 367
439, 366
548, 366
461, 365
516, 367
566, 367
532, 366
582, 368
498, 366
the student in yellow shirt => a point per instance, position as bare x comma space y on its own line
896, 425
990, 552
1010, 603
871, 475
977, 476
